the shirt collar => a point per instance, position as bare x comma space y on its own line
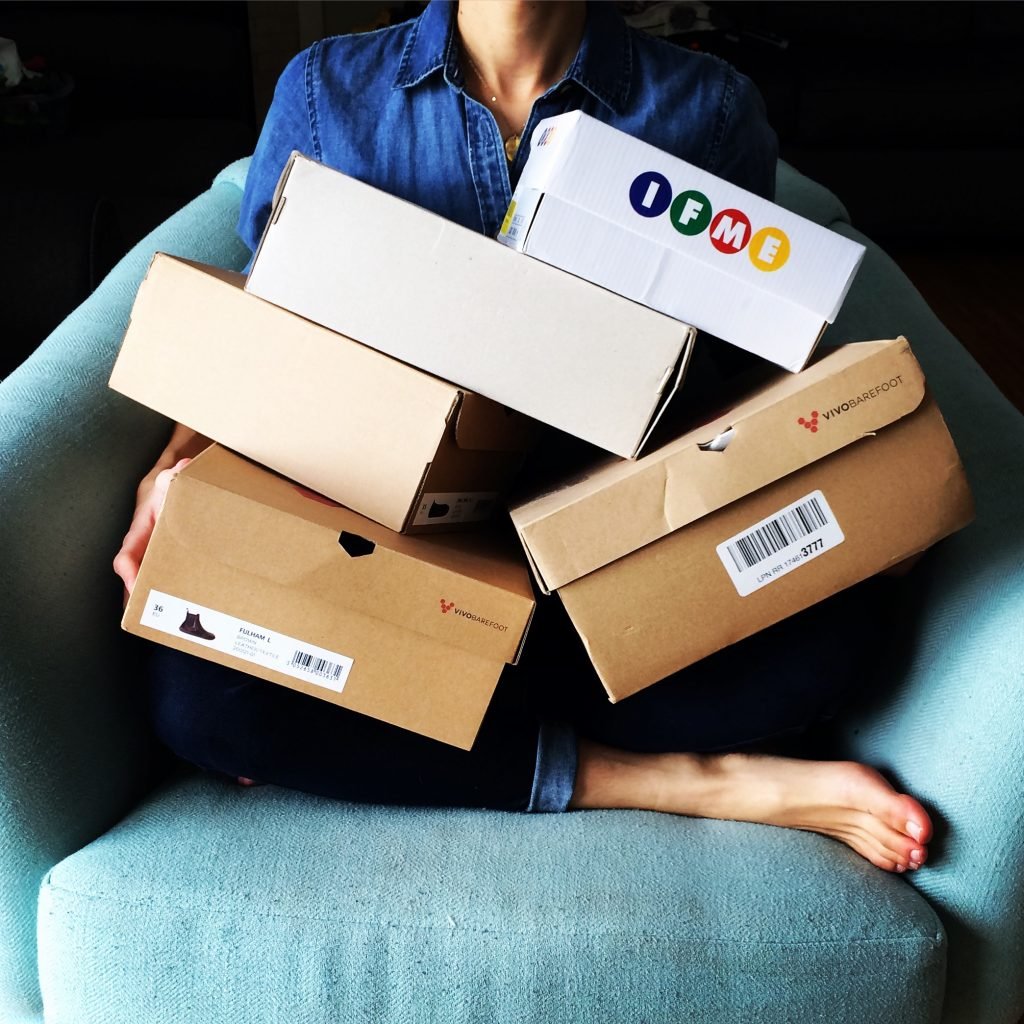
431, 47
603, 65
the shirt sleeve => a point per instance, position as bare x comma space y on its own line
745, 148
289, 126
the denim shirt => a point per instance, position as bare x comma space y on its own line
390, 108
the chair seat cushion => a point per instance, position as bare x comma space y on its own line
217, 903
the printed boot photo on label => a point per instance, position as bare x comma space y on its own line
193, 627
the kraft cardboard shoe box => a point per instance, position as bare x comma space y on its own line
461, 306
248, 570
408, 450
626, 215
805, 487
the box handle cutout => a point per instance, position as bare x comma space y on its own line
719, 442
355, 545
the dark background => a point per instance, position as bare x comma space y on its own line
913, 113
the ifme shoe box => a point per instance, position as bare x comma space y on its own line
248, 570
458, 305
628, 216
410, 451
808, 485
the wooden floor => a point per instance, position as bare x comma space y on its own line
978, 292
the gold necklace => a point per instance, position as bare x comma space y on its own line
511, 141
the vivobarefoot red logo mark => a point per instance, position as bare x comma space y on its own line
811, 424
446, 606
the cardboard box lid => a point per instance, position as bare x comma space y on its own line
471, 311
469, 591
344, 418
591, 165
674, 282
616, 507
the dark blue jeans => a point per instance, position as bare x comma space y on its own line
776, 684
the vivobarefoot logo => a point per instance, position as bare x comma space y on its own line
449, 606
852, 402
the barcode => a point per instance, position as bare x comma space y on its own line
777, 534
316, 666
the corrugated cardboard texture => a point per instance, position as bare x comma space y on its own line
574, 209
672, 603
429, 623
618, 506
471, 311
893, 480
345, 420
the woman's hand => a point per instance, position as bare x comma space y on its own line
151, 494
184, 444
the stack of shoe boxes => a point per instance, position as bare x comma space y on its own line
375, 400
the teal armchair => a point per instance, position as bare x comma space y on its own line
133, 894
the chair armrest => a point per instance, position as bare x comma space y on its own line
74, 750
809, 198
947, 717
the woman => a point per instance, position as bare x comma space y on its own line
439, 111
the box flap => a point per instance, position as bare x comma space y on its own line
483, 425
277, 206
693, 290
529, 336
673, 382
608, 173
471, 591
616, 506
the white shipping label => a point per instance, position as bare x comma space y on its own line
519, 217
512, 225
257, 644
454, 507
517, 228
781, 543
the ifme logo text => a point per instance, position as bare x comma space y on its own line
691, 213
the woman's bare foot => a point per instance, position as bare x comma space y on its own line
842, 799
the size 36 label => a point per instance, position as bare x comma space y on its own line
218, 631
781, 543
